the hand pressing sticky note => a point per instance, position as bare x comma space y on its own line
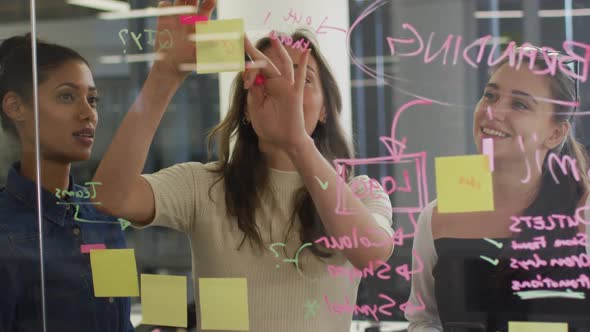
224, 304
537, 327
220, 46
163, 300
114, 272
464, 184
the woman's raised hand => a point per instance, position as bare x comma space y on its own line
275, 107
181, 48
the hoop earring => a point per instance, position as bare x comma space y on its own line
245, 121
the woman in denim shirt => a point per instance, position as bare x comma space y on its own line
68, 118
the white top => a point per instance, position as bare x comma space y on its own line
276, 296
587, 226
422, 283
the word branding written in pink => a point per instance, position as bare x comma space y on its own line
511, 52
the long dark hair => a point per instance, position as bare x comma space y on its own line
16, 73
243, 192
553, 197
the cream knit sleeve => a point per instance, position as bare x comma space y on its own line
176, 195
422, 289
374, 197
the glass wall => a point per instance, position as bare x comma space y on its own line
463, 114
21, 258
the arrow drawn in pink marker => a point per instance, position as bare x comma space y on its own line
403, 271
396, 147
410, 308
489, 112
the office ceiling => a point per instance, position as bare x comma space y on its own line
19, 10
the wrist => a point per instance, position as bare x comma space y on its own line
166, 73
301, 148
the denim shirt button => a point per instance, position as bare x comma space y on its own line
76, 231
111, 300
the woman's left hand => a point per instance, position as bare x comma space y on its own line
275, 107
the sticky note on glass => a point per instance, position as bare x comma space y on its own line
464, 184
163, 300
114, 272
220, 46
224, 304
537, 327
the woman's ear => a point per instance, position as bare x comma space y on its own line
13, 106
323, 115
558, 135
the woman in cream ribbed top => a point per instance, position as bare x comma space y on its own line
279, 184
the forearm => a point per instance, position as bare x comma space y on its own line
124, 160
311, 164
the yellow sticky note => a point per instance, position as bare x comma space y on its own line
163, 300
537, 327
224, 304
114, 272
464, 184
220, 46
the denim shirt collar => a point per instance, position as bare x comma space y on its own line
25, 191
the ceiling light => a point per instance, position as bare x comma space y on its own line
499, 14
129, 58
148, 12
542, 13
563, 13
108, 5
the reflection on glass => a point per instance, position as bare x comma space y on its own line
275, 241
